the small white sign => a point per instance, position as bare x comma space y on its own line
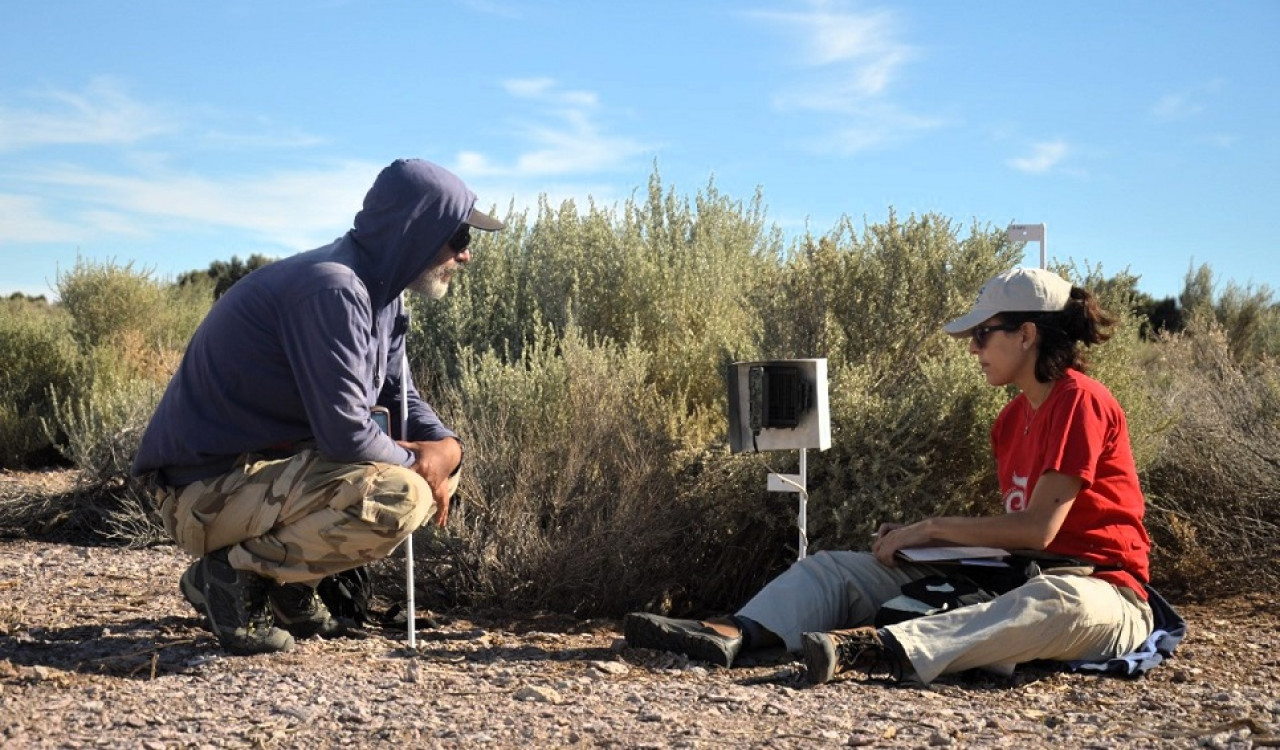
1026, 232
784, 483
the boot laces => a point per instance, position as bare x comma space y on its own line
864, 653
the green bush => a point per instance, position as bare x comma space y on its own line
582, 357
92, 370
661, 275
909, 410
110, 302
39, 354
1214, 486
1248, 316
568, 500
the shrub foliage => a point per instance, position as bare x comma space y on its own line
582, 357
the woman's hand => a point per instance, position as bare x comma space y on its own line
1032, 528
893, 537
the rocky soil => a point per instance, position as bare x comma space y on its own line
97, 648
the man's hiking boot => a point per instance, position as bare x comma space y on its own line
859, 649
299, 610
235, 602
693, 638
191, 586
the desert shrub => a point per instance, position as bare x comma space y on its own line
659, 274
124, 336
582, 356
1248, 316
38, 354
108, 301
909, 413
1214, 485
917, 449
104, 299
877, 298
1120, 364
100, 427
569, 500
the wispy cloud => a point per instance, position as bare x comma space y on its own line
875, 127
1222, 140
1186, 104
494, 8
563, 137
134, 188
280, 209
1044, 156
103, 114
852, 58
1176, 107
858, 54
24, 219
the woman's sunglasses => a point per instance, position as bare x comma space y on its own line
980, 334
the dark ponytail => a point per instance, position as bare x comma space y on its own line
1082, 321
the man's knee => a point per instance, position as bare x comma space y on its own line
400, 498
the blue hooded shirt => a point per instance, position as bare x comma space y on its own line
302, 348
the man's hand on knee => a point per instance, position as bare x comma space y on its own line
436, 462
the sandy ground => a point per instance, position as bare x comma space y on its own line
97, 648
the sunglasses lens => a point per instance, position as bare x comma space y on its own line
461, 240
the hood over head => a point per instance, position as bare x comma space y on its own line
411, 211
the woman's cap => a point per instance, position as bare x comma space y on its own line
1015, 290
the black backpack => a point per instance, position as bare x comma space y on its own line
347, 594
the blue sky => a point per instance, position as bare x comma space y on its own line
1144, 134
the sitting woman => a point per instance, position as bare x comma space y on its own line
1070, 488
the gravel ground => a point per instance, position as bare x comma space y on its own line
97, 648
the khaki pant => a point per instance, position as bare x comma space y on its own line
1057, 617
298, 519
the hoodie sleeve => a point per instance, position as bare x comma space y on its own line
424, 423
326, 340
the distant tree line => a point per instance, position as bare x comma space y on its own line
225, 273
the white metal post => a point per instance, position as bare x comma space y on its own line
410, 608
801, 517
795, 483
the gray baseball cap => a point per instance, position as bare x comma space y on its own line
1015, 290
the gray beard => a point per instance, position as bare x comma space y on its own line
433, 283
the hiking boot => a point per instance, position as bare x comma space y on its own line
191, 584
693, 638
860, 649
235, 601
299, 610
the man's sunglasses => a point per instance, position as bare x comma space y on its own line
980, 334
461, 239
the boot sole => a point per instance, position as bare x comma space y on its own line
819, 661
194, 596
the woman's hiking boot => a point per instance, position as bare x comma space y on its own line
693, 638
862, 650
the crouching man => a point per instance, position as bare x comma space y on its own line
263, 455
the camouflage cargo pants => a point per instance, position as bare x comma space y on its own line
298, 519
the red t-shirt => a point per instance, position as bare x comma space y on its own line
1080, 431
